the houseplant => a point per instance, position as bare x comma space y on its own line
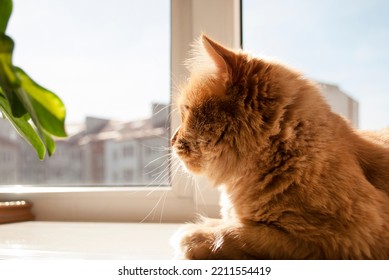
35, 112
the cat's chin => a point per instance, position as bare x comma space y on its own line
193, 169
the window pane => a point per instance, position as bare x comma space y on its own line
341, 43
109, 61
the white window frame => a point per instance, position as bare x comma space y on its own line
221, 20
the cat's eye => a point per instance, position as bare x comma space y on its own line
183, 111
184, 108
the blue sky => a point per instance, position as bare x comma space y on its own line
340, 42
111, 58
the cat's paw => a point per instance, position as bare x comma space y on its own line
194, 242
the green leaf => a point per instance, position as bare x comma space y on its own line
48, 141
5, 13
22, 100
24, 128
8, 78
45, 108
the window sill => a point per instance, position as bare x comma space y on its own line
111, 204
104, 204
26, 189
69, 240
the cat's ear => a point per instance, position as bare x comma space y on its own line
222, 57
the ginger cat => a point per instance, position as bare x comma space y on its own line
298, 182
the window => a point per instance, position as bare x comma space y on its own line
342, 44
114, 202
128, 174
128, 151
101, 60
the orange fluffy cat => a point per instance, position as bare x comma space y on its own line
297, 181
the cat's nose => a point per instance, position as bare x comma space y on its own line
174, 138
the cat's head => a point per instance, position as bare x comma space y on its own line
222, 118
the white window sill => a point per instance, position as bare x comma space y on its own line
21, 189
80, 240
113, 204
103, 204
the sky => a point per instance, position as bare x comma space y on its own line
110, 59
345, 43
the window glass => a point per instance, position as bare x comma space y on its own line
109, 61
344, 45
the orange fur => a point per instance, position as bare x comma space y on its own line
298, 182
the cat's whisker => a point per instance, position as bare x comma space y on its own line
151, 172
163, 108
176, 86
156, 159
155, 188
161, 176
175, 170
173, 110
163, 207
200, 194
165, 170
152, 210
188, 181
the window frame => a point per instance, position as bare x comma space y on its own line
185, 197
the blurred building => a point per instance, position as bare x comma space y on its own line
8, 161
341, 103
98, 152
